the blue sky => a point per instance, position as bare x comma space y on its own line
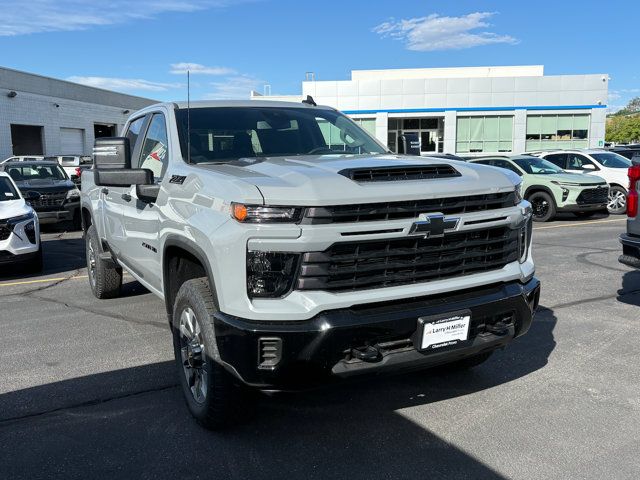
143, 46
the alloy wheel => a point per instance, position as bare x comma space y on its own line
617, 201
193, 355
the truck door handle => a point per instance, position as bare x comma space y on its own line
105, 191
126, 197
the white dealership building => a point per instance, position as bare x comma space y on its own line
470, 110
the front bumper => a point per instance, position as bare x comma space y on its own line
320, 350
630, 250
66, 213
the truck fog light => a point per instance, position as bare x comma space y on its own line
270, 274
524, 239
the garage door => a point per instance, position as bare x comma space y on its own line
71, 141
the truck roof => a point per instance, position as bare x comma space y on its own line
240, 103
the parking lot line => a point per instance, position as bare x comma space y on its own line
42, 280
581, 224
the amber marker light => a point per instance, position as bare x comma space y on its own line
239, 211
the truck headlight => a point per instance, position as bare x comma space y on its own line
265, 214
73, 194
270, 274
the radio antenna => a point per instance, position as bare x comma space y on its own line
188, 117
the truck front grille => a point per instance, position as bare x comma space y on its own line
370, 212
384, 263
49, 200
593, 195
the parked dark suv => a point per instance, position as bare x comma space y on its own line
59, 199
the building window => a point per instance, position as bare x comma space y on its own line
557, 131
331, 133
484, 134
367, 124
429, 130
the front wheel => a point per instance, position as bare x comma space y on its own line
543, 206
105, 281
207, 387
617, 201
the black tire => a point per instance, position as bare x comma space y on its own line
208, 388
617, 202
469, 362
105, 280
584, 214
544, 207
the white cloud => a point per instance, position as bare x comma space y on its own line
196, 68
235, 87
124, 84
35, 16
434, 32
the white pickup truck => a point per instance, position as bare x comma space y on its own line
291, 248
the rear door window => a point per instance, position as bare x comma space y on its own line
559, 159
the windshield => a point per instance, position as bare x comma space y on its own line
7, 192
223, 134
28, 173
537, 166
612, 160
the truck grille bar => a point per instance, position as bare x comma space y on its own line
351, 266
371, 212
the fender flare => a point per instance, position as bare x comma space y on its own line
193, 249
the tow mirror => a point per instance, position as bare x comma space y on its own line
112, 153
122, 177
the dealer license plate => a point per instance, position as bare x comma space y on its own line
445, 331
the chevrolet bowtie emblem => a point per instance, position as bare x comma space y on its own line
434, 226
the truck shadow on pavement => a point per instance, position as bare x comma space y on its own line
133, 423
630, 291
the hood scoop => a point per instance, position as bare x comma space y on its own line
399, 174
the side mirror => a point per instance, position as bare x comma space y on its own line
122, 177
31, 196
589, 166
112, 153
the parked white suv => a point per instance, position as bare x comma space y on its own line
608, 165
19, 227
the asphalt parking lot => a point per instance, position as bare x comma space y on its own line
88, 389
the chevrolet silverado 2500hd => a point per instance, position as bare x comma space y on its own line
291, 248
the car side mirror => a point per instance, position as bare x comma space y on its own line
31, 196
122, 177
111, 153
589, 166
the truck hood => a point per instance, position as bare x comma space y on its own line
45, 185
13, 208
315, 180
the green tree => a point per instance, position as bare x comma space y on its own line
632, 107
621, 129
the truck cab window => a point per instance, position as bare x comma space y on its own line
154, 154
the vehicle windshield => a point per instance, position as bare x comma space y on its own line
612, 160
537, 166
7, 192
28, 173
224, 134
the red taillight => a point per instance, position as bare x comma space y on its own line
632, 196
78, 171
